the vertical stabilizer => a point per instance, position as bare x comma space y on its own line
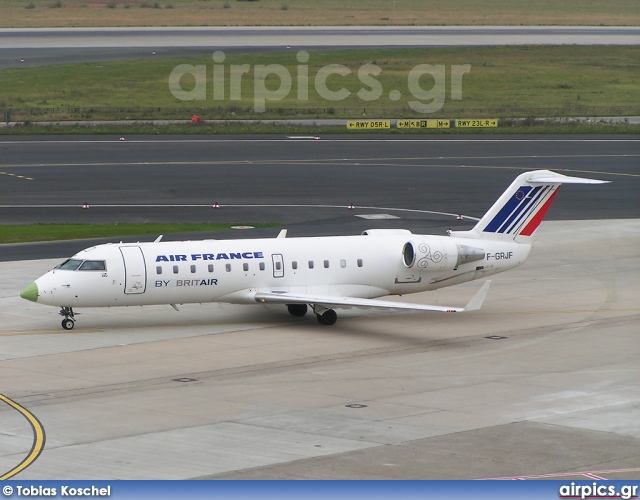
521, 208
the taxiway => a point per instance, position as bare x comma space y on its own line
544, 380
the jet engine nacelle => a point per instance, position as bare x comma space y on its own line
439, 255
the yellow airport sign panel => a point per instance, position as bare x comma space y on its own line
493, 122
423, 123
368, 124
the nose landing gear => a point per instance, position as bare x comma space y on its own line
69, 318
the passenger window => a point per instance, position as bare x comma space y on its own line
175, 269
326, 264
70, 264
310, 264
193, 268
210, 268
158, 269
262, 266
228, 267
245, 266
294, 265
343, 263
278, 266
359, 262
93, 265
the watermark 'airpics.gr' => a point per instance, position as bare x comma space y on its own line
427, 100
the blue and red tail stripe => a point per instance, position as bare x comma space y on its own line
529, 205
525, 202
537, 219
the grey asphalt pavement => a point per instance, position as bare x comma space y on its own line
305, 185
64, 45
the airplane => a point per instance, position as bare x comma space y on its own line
325, 273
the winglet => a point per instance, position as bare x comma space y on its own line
476, 302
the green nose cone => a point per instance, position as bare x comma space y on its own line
30, 293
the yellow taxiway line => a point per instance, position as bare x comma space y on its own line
39, 438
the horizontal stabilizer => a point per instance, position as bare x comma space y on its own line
548, 177
349, 302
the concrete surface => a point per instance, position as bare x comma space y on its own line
221, 391
37, 47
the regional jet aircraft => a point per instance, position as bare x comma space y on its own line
325, 273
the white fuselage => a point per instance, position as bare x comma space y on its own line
365, 266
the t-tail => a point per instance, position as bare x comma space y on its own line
520, 210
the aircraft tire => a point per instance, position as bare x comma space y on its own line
298, 310
329, 317
68, 324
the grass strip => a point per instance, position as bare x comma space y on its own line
503, 82
25, 233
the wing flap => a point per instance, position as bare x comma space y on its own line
349, 302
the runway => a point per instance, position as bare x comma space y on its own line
544, 380
66, 45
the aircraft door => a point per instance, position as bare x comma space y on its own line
278, 265
135, 271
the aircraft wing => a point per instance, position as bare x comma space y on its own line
348, 302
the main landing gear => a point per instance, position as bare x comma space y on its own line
297, 310
328, 317
325, 316
69, 318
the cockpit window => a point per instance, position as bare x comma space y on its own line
93, 265
70, 264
